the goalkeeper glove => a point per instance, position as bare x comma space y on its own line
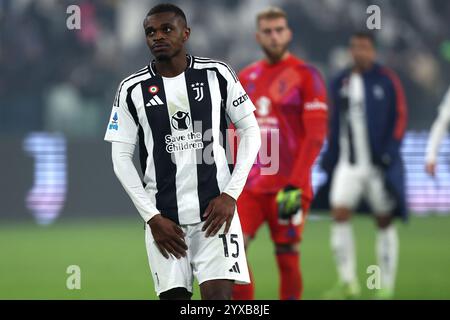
289, 201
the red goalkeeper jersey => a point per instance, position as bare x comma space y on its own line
291, 108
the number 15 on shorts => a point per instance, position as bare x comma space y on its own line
230, 244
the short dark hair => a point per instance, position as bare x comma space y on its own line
167, 7
365, 35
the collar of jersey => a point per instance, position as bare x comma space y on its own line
152, 69
288, 60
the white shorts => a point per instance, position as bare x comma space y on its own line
218, 257
352, 183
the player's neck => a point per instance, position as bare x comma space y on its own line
274, 60
362, 68
172, 67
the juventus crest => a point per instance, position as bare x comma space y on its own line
198, 88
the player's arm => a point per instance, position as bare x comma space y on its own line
249, 135
438, 130
122, 159
221, 209
122, 133
168, 236
314, 122
399, 120
331, 153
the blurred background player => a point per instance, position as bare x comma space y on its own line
368, 121
438, 130
290, 100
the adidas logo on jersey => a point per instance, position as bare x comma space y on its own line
155, 101
235, 268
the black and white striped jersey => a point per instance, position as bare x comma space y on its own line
180, 124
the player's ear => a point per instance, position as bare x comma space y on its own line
186, 34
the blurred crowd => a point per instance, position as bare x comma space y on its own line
56, 79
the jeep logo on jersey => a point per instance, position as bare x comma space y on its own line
181, 120
240, 100
198, 88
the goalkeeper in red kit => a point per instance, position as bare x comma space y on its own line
291, 109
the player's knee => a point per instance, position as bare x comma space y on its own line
341, 214
383, 221
176, 294
218, 294
216, 290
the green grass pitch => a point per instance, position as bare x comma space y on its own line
113, 261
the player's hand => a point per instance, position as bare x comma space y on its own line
168, 236
430, 168
289, 201
220, 209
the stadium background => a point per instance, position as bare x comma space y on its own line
60, 203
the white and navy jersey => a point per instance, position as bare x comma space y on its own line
180, 124
354, 138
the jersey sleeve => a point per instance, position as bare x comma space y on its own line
238, 104
314, 94
444, 107
314, 123
398, 117
438, 129
122, 127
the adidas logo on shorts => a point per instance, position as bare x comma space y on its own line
235, 268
